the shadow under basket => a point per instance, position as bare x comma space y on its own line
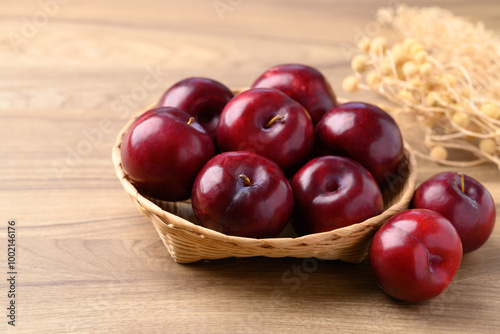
188, 242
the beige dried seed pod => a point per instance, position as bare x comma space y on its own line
490, 110
465, 93
442, 99
373, 78
458, 107
360, 63
350, 84
422, 87
448, 99
488, 146
416, 83
408, 43
433, 99
378, 44
439, 152
416, 48
471, 139
449, 79
364, 44
410, 69
385, 67
399, 71
425, 68
461, 119
407, 95
420, 57
399, 54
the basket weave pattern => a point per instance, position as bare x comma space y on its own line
188, 242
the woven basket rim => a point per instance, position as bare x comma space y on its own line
309, 239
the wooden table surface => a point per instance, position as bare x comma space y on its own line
73, 72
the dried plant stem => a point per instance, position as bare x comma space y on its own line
445, 75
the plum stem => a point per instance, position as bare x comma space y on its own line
247, 182
190, 120
273, 120
462, 182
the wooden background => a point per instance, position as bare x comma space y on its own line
73, 72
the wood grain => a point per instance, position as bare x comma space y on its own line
88, 262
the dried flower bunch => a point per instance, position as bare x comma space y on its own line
445, 74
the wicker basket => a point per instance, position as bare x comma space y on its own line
188, 242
